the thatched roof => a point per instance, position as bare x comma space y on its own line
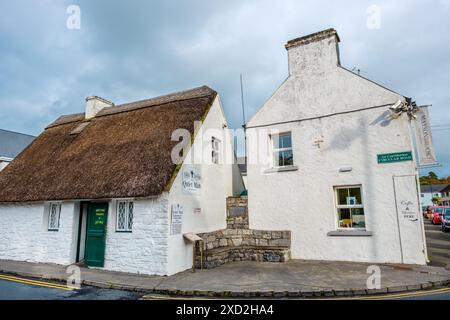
125, 151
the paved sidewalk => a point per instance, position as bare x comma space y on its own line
253, 279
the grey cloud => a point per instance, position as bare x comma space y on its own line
129, 50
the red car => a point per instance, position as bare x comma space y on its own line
437, 215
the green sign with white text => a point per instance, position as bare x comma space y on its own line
395, 157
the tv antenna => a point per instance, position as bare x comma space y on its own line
358, 71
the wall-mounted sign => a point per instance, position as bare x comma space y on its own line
395, 157
176, 219
192, 180
424, 139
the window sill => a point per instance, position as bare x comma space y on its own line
53, 230
350, 233
281, 169
124, 231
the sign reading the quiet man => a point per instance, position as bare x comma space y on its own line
192, 180
395, 157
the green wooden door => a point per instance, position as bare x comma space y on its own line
96, 234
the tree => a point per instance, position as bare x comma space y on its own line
433, 175
436, 201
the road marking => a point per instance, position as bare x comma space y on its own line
35, 283
395, 296
378, 297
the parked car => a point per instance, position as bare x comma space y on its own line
436, 216
446, 220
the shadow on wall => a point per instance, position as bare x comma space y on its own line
383, 120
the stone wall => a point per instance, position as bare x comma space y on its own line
237, 213
239, 243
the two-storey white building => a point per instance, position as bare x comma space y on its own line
331, 159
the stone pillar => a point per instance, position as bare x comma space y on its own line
237, 213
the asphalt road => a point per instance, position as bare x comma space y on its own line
10, 290
438, 245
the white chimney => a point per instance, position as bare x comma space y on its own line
315, 53
94, 104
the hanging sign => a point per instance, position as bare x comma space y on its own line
192, 180
395, 157
176, 219
424, 138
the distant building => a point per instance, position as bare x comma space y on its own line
428, 192
445, 196
243, 169
11, 144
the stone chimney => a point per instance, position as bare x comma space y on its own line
94, 105
315, 53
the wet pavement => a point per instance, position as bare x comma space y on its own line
10, 290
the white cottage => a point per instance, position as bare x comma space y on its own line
103, 186
331, 159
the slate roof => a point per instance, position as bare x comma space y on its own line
12, 143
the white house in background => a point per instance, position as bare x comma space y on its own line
11, 144
101, 186
328, 161
428, 192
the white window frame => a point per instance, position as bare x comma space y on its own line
275, 150
358, 206
57, 207
216, 146
127, 227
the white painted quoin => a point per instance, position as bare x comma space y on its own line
150, 247
339, 122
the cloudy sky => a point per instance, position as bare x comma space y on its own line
132, 50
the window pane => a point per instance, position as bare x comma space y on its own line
285, 141
355, 193
130, 216
358, 218
342, 196
283, 159
121, 211
345, 220
288, 159
282, 141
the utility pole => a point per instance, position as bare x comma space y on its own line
244, 120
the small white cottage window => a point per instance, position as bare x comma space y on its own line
282, 150
350, 208
124, 216
54, 212
215, 143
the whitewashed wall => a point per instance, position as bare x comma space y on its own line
24, 234
303, 201
217, 185
145, 249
